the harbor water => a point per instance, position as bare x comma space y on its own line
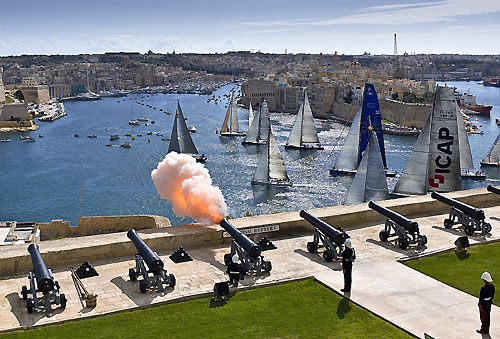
62, 177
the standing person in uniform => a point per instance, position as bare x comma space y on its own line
234, 270
485, 300
348, 257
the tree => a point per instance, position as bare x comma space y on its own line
395, 96
19, 95
348, 97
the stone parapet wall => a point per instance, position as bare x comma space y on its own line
100, 225
15, 259
404, 113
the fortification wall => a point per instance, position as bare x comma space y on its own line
15, 260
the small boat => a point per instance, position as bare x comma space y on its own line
76, 135
167, 111
161, 109
142, 119
165, 138
5, 140
93, 136
192, 129
159, 134
40, 135
114, 137
232, 117
153, 122
139, 135
134, 122
109, 145
146, 124
497, 121
126, 144
128, 134
149, 133
29, 139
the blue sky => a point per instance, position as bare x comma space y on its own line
349, 27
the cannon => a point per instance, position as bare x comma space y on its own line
330, 238
248, 251
146, 262
471, 218
407, 231
493, 189
41, 281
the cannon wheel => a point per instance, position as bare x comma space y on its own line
171, 279
63, 300
403, 243
56, 284
142, 286
311, 247
327, 256
383, 235
447, 223
131, 274
487, 227
268, 266
24, 292
469, 230
29, 305
227, 259
423, 240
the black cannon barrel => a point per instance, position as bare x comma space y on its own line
467, 209
253, 250
334, 234
44, 282
152, 259
493, 189
407, 224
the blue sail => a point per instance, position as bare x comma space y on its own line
370, 120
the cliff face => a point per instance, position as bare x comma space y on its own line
393, 111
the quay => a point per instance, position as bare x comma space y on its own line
379, 277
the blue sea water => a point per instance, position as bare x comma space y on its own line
63, 177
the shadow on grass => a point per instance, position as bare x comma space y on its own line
462, 255
343, 308
334, 265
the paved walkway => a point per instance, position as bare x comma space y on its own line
397, 293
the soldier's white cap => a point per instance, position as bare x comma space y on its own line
348, 243
486, 277
235, 258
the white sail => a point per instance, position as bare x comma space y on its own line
444, 163
234, 128
253, 132
277, 170
187, 144
348, 157
493, 156
309, 134
369, 183
262, 173
250, 116
413, 180
295, 137
174, 138
463, 141
224, 128
264, 125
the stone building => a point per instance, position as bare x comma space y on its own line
36, 94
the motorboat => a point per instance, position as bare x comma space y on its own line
192, 129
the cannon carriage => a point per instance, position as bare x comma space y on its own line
330, 238
249, 253
41, 281
472, 219
148, 263
397, 225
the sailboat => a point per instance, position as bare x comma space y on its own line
367, 116
186, 142
133, 121
250, 116
493, 157
369, 183
435, 162
303, 134
258, 132
271, 168
232, 117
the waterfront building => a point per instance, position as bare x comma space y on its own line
36, 94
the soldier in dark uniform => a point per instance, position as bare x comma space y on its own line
485, 300
348, 257
234, 270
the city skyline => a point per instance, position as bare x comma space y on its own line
445, 26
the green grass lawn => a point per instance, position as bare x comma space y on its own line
8, 100
463, 272
304, 309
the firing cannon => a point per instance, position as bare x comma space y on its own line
41, 281
248, 251
471, 218
407, 231
146, 257
493, 189
331, 238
